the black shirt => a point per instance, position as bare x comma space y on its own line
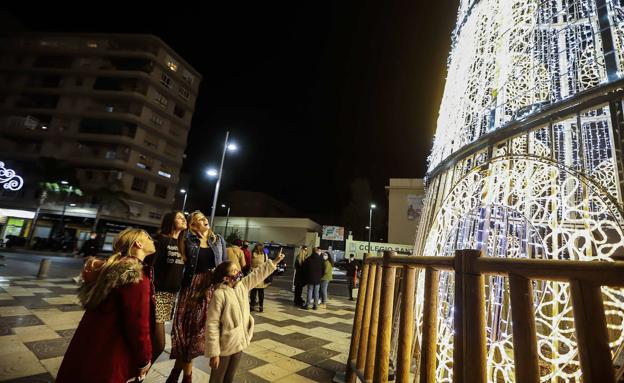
168, 265
205, 260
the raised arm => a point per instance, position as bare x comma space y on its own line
259, 274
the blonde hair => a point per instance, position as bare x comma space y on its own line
303, 254
122, 245
193, 217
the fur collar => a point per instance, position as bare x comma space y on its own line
122, 272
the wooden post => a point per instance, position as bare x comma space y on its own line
357, 323
366, 316
372, 334
429, 327
591, 333
524, 332
469, 349
406, 325
385, 320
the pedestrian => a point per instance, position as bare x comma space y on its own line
258, 258
328, 273
351, 268
112, 342
236, 254
247, 253
299, 279
89, 248
168, 262
230, 325
204, 250
313, 271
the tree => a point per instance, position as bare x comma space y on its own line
107, 197
233, 236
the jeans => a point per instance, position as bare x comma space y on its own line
324, 285
350, 286
227, 369
313, 294
260, 294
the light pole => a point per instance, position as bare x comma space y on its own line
69, 191
227, 220
185, 192
226, 147
370, 223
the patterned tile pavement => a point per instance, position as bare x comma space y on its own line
38, 318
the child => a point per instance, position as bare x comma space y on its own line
229, 327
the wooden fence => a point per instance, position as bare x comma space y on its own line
369, 353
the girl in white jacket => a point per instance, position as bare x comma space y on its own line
229, 327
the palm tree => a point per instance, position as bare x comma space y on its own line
106, 196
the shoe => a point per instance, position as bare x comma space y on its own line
323, 306
261, 309
187, 378
251, 308
315, 307
350, 299
174, 375
77, 279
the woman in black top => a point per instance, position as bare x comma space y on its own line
168, 262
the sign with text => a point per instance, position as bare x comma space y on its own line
359, 248
333, 233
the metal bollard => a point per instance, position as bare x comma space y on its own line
44, 266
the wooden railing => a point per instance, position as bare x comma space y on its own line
369, 354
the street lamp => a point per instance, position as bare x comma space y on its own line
370, 223
183, 191
227, 146
70, 190
227, 220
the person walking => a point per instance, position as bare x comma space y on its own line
236, 254
112, 342
89, 248
204, 250
258, 259
168, 262
313, 271
351, 268
230, 326
299, 278
328, 273
247, 253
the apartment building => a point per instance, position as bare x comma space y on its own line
117, 108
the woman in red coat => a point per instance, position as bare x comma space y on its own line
112, 342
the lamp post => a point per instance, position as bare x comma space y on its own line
370, 223
226, 147
185, 192
70, 189
227, 220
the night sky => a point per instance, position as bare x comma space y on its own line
315, 93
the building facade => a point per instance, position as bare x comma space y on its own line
116, 108
405, 199
527, 163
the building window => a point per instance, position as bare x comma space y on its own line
92, 44
166, 80
184, 93
156, 120
139, 184
178, 111
165, 171
172, 64
160, 191
154, 215
150, 144
161, 99
145, 162
188, 77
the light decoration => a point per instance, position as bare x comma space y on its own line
551, 190
9, 179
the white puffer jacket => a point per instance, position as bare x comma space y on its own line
229, 327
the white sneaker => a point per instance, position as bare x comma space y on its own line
77, 279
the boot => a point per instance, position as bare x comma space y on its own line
261, 309
187, 378
174, 375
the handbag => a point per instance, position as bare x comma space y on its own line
268, 279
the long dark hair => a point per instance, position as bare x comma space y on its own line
220, 272
167, 227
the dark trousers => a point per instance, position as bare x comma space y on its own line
227, 369
260, 294
298, 291
351, 285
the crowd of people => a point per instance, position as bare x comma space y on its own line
185, 275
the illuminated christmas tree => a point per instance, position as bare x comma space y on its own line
527, 163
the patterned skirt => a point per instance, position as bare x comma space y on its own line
188, 331
165, 303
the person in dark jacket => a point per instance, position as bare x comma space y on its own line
112, 342
351, 268
90, 247
299, 279
168, 263
313, 272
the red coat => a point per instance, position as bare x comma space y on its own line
112, 340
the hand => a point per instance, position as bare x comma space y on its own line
143, 370
214, 362
278, 258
